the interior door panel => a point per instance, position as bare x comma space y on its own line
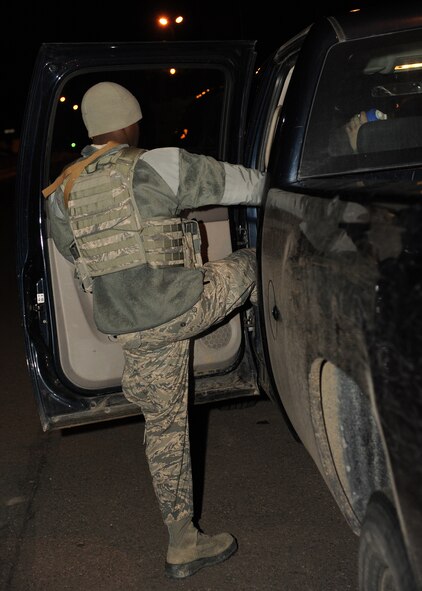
90, 359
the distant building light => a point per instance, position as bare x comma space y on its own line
163, 21
203, 93
9, 131
75, 107
178, 20
172, 71
62, 99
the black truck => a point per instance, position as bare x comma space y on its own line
335, 117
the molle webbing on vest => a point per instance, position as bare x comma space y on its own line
172, 241
71, 172
109, 232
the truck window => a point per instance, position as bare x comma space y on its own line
385, 78
180, 107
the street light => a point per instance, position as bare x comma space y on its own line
168, 22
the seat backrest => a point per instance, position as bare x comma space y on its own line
390, 134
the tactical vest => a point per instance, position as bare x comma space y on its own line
110, 234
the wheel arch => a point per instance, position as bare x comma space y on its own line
349, 443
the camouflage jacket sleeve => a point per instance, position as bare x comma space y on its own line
59, 225
197, 180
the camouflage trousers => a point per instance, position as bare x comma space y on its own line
156, 377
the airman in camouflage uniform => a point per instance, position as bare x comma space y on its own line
156, 378
154, 307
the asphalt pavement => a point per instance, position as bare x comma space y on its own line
77, 510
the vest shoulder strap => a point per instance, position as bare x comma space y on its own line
127, 159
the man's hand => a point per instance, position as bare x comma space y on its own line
352, 127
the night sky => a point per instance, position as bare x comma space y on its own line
23, 31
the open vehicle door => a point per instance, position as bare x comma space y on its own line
193, 95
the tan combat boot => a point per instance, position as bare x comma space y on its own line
190, 550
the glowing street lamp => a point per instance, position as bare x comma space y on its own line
165, 21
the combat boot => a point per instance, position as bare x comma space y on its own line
190, 550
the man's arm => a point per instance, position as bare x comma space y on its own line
197, 180
60, 229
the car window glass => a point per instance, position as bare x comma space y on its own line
381, 77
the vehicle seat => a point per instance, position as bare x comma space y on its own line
390, 134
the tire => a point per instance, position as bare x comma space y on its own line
383, 561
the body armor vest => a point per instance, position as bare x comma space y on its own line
110, 234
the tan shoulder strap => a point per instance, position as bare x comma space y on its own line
74, 170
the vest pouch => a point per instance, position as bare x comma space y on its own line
192, 244
172, 242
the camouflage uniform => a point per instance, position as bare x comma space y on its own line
155, 312
156, 378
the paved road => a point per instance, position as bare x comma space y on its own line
78, 513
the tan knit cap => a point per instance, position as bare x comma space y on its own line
107, 106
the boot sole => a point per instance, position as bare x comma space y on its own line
187, 569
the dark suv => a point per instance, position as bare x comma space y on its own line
335, 340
